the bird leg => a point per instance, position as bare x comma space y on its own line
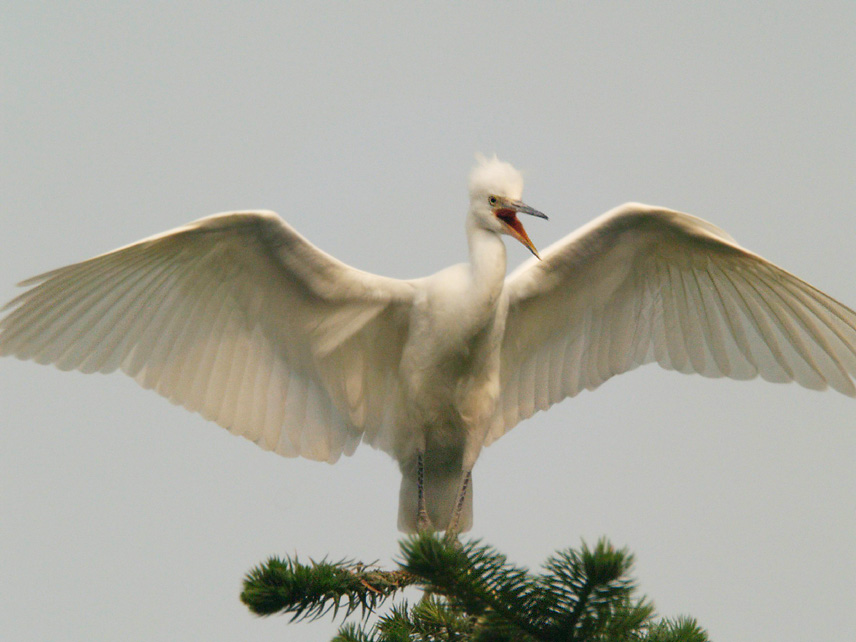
423, 522
454, 523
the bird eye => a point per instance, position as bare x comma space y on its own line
493, 200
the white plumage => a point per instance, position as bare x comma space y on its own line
239, 318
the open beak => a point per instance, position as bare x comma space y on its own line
507, 213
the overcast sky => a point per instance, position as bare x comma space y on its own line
123, 517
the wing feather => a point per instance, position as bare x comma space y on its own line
731, 314
819, 346
804, 367
643, 284
709, 320
237, 317
672, 309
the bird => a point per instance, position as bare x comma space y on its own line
239, 318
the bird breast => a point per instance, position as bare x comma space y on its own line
450, 362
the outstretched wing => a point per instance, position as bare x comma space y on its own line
235, 316
642, 284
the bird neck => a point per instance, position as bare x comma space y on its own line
487, 260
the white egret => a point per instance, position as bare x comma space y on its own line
238, 317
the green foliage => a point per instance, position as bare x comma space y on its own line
310, 591
472, 593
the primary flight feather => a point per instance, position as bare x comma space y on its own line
238, 317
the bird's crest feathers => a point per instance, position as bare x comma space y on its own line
493, 176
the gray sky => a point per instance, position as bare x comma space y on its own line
124, 517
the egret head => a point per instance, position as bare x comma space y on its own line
495, 191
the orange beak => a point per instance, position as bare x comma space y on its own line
507, 213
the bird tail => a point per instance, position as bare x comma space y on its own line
441, 485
